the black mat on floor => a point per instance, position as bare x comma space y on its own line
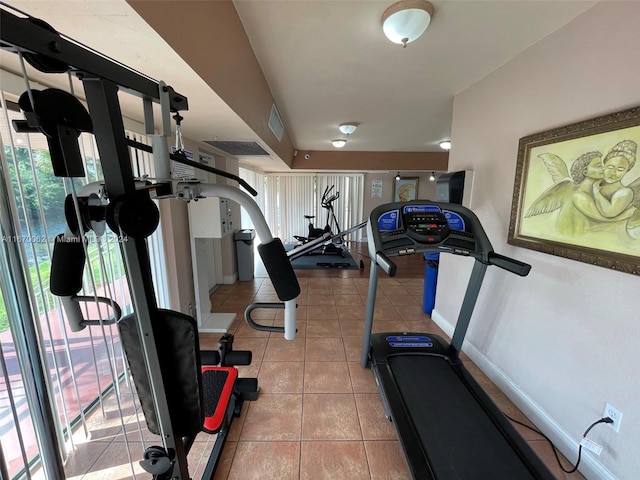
318, 262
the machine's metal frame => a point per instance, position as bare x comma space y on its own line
102, 79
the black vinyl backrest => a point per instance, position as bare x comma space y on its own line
176, 337
67, 266
280, 270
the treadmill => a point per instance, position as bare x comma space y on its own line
448, 426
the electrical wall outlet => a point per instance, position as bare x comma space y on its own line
614, 414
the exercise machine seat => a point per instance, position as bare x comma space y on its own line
177, 343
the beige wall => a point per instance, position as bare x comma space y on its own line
564, 340
367, 161
426, 189
216, 46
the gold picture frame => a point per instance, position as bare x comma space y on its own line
405, 189
577, 192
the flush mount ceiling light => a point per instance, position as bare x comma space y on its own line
446, 145
348, 128
404, 21
339, 143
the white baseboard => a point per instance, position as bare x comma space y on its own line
230, 279
590, 467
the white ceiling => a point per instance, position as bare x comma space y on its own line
327, 62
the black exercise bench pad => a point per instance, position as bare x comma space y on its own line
67, 267
275, 260
176, 337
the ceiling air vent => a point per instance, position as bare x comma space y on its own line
275, 122
239, 149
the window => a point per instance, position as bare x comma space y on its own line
289, 197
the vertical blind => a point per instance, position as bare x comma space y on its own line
257, 181
289, 197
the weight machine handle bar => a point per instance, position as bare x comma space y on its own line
258, 326
176, 157
117, 311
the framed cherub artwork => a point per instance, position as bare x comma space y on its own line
577, 192
405, 189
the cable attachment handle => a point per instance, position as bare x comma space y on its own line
179, 143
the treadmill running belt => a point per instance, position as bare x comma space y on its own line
461, 440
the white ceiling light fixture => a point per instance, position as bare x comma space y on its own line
338, 143
404, 21
348, 128
433, 176
446, 145
398, 176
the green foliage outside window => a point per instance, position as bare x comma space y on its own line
46, 197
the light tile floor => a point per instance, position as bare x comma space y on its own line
333, 413
319, 415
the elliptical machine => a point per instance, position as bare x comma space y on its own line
334, 246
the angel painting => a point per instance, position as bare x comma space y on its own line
577, 192
590, 195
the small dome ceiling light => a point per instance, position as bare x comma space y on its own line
338, 143
404, 21
348, 128
446, 145
433, 176
398, 176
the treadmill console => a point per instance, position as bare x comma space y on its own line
413, 227
426, 227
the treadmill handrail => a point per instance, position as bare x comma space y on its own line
386, 264
482, 252
509, 264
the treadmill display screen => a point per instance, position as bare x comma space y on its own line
413, 214
425, 226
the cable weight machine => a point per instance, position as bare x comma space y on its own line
127, 205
